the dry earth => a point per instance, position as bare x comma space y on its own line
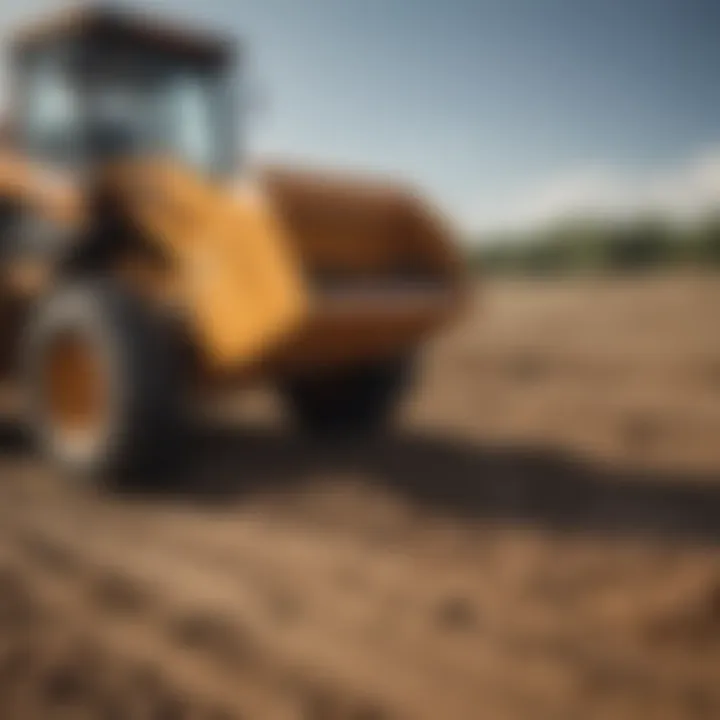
540, 539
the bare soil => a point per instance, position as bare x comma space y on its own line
539, 539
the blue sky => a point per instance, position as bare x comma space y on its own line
501, 109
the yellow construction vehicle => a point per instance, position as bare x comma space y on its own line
140, 263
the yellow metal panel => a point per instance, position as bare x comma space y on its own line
241, 285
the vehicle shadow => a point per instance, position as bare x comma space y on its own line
14, 439
475, 482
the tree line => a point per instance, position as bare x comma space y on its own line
582, 246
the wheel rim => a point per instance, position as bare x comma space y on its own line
76, 388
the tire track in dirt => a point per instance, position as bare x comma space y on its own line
51, 534
170, 615
61, 664
134, 619
123, 621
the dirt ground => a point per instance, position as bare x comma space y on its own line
539, 539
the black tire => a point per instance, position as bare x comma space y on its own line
356, 402
143, 380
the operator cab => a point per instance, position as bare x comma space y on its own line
98, 84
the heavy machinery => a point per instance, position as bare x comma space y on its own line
139, 264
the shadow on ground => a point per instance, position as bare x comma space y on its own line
461, 479
469, 481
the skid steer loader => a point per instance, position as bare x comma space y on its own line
140, 265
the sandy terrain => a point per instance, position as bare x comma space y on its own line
540, 539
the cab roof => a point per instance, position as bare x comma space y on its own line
109, 23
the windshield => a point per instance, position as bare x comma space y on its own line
128, 104
178, 112
51, 112
189, 108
